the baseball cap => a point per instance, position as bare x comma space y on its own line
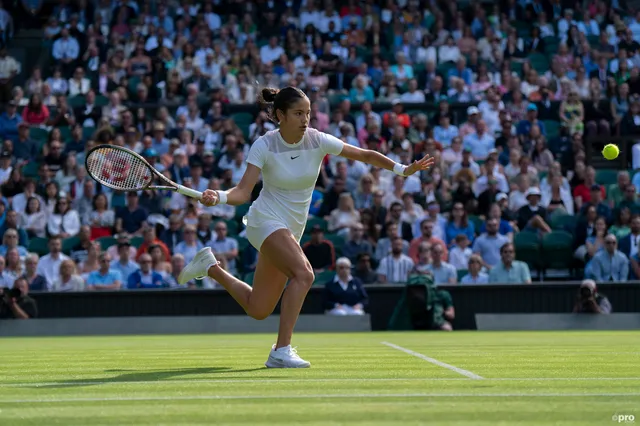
466, 149
532, 107
149, 152
179, 151
501, 196
596, 187
472, 110
533, 191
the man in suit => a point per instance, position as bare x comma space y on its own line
602, 72
344, 294
629, 244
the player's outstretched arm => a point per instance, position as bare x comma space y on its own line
380, 160
237, 195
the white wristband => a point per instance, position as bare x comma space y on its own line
399, 169
222, 197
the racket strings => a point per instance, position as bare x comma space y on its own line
118, 169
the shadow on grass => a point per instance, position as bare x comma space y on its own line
151, 376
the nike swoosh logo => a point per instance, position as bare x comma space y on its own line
293, 158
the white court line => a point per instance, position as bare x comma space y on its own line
466, 373
80, 382
316, 396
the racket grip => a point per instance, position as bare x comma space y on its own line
189, 192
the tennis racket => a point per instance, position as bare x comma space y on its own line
124, 170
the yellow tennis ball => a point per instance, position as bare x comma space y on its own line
611, 151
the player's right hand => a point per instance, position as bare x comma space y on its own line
209, 198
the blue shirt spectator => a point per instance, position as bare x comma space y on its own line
104, 278
132, 217
9, 121
610, 264
479, 143
524, 126
145, 277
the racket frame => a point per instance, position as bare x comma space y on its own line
170, 185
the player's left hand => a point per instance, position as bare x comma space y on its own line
417, 166
209, 198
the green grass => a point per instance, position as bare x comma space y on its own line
547, 378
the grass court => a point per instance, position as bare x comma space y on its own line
459, 378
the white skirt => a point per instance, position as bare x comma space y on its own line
259, 227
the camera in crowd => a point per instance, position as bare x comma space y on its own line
10, 293
589, 301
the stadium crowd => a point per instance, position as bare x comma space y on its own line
536, 77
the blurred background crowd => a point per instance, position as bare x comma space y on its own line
504, 94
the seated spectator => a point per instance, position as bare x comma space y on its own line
35, 113
64, 222
504, 227
9, 122
488, 244
79, 251
36, 282
320, 252
443, 272
150, 239
459, 224
439, 221
34, 218
424, 259
557, 197
124, 263
426, 229
225, 246
159, 263
597, 200
396, 266
622, 224
582, 192
190, 246
475, 275
509, 270
92, 261
101, 218
10, 241
345, 216
17, 304
68, 280
590, 301
363, 270
177, 265
114, 250
13, 269
144, 278
104, 278
49, 264
130, 219
460, 252
610, 264
531, 217
344, 294
356, 243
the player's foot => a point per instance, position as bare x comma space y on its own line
198, 268
285, 357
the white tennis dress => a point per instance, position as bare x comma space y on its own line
289, 175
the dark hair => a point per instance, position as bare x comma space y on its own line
279, 99
28, 209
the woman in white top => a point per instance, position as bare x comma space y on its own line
34, 218
13, 268
289, 159
67, 174
345, 215
64, 222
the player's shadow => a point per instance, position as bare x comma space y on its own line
151, 376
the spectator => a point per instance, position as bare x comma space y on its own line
426, 228
475, 275
345, 294
104, 278
345, 216
11, 222
395, 267
225, 246
443, 272
363, 269
10, 241
92, 261
150, 239
508, 270
16, 303
459, 224
610, 264
460, 252
357, 244
9, 69
123, 264
49, 264
190, 245
35, 281
144, 278
9, 122
531, 217
488, 244
35, 113
68, 280
131, 218
64, 222
320, 252
596, 200
34, 219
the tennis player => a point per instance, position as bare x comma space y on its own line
290, 159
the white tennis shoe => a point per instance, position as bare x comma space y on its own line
285, 357
198, 268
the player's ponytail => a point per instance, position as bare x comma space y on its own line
279, 99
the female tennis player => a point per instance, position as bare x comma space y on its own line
290, 159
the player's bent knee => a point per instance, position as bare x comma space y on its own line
260, 314
305, 276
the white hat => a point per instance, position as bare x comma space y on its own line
472, 110
533, 191
501, 196
179, 151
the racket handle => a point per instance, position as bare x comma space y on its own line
189, 192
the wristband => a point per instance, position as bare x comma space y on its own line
222, 197
399, 169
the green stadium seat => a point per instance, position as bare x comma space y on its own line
38, 134
106, 242
241, 211
552, 127
462, 273
527, 245
69, 243
243, 243
323, 277
477, 223
338, 242
30, 170
248, 278
606, 176
101, 101
65, 133
557, 250
517, 67
563, 222
137, 241
39, 246
76, 101
539, 62
87, 132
